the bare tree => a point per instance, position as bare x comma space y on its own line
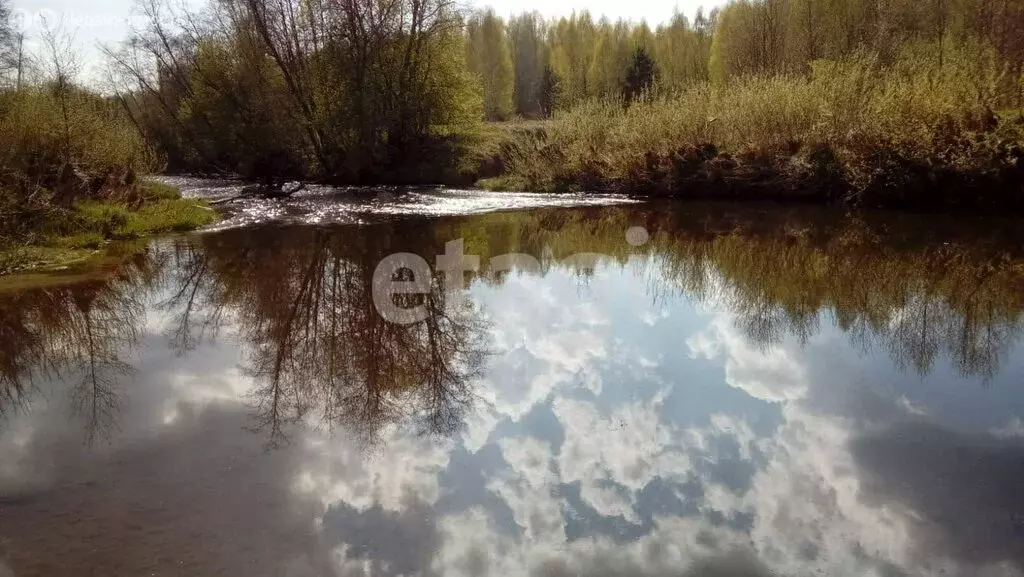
10, 46
62, 67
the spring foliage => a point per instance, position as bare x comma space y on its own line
71, 162
840, 99
356, 91
367, 92
905, 133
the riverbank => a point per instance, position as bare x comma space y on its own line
915, 133
59, 237
72, 179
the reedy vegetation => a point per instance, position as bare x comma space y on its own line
909, 104
909, 133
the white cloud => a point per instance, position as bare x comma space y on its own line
539, 343
335, 471
772, 375
910, 407
527, 487
1012, 429
628, 446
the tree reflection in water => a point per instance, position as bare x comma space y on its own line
299, 300
80, 334
959, 299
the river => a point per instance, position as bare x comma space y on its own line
641, 389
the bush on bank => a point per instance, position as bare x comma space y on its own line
918, 132
69, 178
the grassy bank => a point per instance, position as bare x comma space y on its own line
916, 132
63, 236
70, 166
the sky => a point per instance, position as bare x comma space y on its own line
98, 22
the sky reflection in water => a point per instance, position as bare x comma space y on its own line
802, 397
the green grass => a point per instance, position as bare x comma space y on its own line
69, 237
169, 215
154, 190
114, 221
70, 181
85, 240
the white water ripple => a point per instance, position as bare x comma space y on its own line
359, 205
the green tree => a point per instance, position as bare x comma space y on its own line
487, 53
640, 75
526, 37
681, 51
806, 32
347, 91
750, 39
571, 42
549, 91
609, 60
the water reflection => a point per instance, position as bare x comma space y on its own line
301, 301
749, 393
80, 333
911, 305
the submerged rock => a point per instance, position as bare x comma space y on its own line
272, 190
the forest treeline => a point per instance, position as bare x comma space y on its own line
894, 102
901, 104
530, 65
245, 84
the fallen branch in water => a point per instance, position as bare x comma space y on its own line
261, 190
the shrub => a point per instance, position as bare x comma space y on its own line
95, 135
69, 181
912, 131
59, 145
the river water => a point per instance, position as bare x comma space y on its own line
647, 390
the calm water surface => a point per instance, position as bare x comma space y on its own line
748, 392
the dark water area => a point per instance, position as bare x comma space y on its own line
647, 390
